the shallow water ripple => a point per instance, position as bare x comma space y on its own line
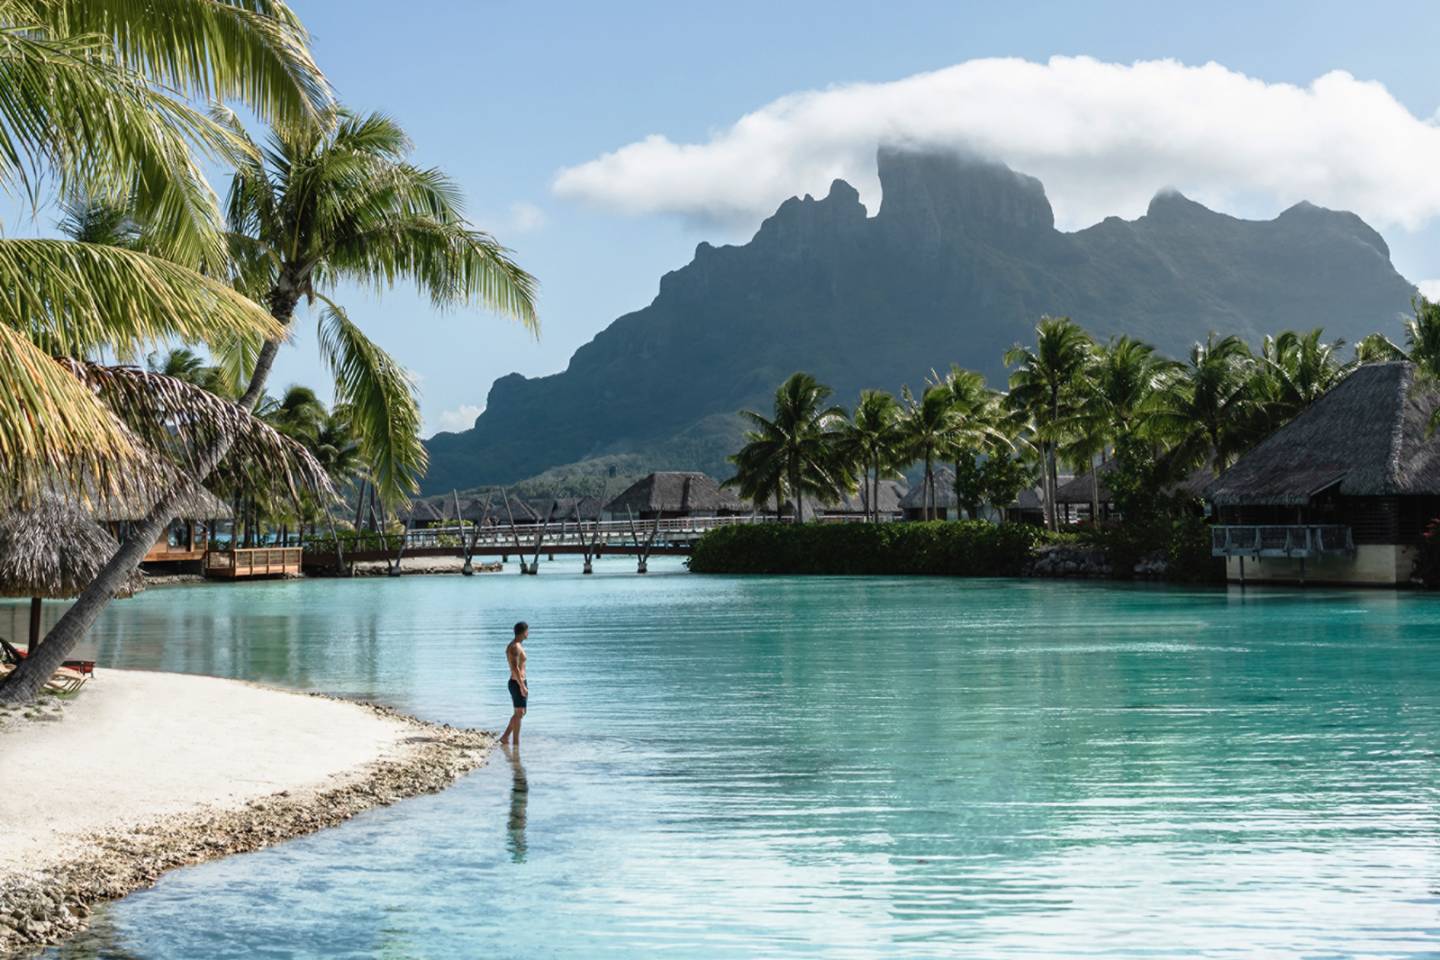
840, 768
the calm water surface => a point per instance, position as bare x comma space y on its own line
836, 768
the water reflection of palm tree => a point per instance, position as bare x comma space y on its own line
519, 800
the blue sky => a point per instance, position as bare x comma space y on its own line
503, 96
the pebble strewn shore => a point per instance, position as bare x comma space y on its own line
48, 907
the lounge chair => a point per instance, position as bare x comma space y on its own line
70, 677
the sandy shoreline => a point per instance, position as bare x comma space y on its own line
150, 771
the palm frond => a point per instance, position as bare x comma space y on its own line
74, 298
381, 400
53, 429
72, 112
253, 51
183, 424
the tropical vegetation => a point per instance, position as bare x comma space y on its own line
115, 107
1157, 426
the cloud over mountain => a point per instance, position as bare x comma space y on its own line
1104, 137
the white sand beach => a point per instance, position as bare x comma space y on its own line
138, 746
146, 771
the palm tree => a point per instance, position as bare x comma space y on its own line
977, 427
330, 201
795, 446
97, 104
182, 363
1206, 410
339, 202
870, 439
1117, 390
1422, 340
1047, 378
928, 428
1292, 371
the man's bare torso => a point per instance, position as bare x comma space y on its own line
515, 654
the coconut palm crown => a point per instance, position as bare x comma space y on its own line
321, 205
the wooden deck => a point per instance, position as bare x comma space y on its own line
253, 562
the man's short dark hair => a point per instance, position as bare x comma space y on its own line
521, 627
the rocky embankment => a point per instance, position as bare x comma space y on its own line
1085, 562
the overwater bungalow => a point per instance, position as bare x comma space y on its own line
188, 538
676, 493
1342, 493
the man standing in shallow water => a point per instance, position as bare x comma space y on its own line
519, 689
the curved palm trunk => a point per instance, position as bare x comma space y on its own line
25, 683
1094, 493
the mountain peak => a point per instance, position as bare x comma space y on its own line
957, 191
1171, 205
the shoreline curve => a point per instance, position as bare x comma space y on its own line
49, 888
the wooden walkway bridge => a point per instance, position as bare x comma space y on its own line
590, 539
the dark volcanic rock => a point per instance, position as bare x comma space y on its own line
958, 264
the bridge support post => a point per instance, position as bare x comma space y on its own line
468, 570
641, 567
550, 556
588, 568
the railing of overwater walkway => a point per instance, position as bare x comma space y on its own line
1280, 540
522, 536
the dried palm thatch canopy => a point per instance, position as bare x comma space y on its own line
1368, 437
52, 550
199, 504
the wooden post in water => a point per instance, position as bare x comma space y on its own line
539, 540
520, 551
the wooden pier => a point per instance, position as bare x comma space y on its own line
246, 563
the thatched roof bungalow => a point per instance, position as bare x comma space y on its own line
568, 509
1342, 493
943, 506
676, 494
188, 536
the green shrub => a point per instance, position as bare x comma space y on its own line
967, 548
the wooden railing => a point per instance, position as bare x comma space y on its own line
1280, 540
253, 562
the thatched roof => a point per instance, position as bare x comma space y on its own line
54, 550
568, 509
676, 492
200, 505
521, 511
419, 513
918, 498
858, 503
1079, 489
1369, 436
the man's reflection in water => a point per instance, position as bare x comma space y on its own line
519, 799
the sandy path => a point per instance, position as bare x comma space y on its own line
135, 746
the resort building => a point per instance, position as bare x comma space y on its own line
568, 509
1342, 493
676, 494
943, 505
189, 536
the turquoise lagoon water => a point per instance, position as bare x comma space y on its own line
847, 768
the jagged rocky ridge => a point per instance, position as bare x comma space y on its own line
958, 263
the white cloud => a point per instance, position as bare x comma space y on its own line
1430, 289
1103, 138
453, 421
